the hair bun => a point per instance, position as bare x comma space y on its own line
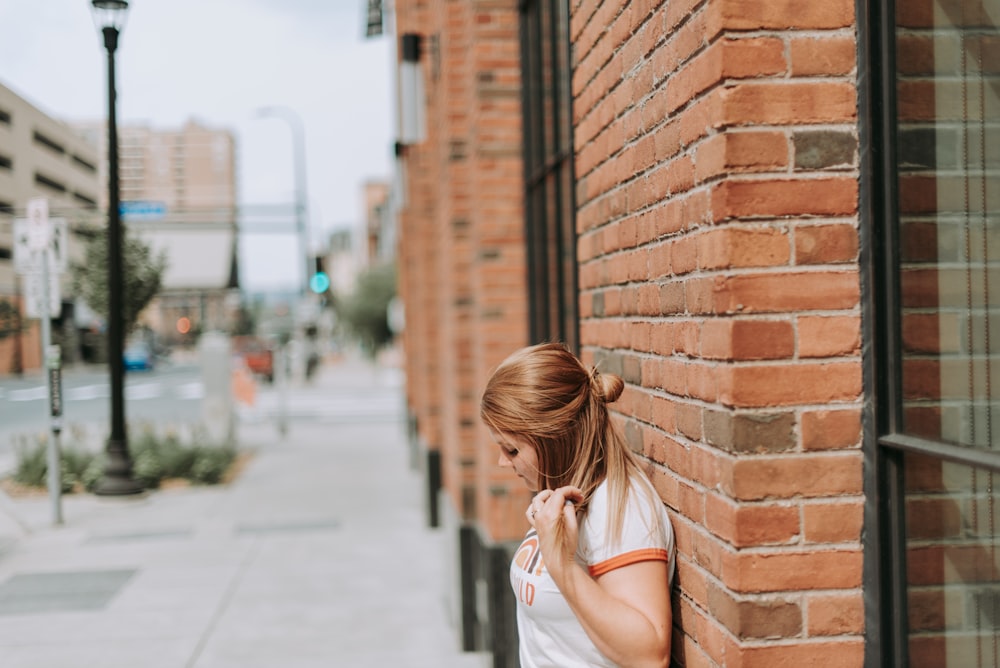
607, 387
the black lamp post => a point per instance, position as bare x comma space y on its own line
109, 16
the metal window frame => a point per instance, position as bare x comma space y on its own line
885, 444
550, 240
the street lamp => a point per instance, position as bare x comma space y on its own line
109, 17
301, 198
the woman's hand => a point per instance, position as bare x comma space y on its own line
553, 514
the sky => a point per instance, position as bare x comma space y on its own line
219, 62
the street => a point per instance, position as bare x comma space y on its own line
167, 394
172, 394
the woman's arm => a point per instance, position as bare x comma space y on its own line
626, 611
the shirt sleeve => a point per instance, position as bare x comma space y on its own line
645, 533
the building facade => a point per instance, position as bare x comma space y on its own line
778, 223
178, 190
41, 157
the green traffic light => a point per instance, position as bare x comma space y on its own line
319, 283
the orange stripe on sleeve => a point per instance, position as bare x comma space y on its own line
646, 554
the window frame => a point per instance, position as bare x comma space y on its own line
884, 443
548, 156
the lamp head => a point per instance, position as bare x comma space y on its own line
109, 14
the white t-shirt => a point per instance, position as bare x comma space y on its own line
550, 635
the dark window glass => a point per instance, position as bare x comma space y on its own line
549, 180
948, 126
938, 371
48, 143
50, 183
87, 201
86, 165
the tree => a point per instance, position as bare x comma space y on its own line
10, 319
143, 275
11, 323
365, 311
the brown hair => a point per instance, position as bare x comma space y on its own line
545, 395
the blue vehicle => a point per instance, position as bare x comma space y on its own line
138, 356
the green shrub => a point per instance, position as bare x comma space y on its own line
155, 457
32, 461
211, 464
93, 473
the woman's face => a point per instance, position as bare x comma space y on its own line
520, 455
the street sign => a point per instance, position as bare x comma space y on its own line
33, 290
59, 246
53, 362
136, 210
28, 259
39, 229
22, 247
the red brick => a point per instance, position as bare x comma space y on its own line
832, 522
846, 653
775, 292
790, 197
744, 525
756, 150
787, 570
829, 336
756, 616
825, 244
731, 247
835, 614
789, 384
731, 339
822, 56
831, 429
761, 477
753, 57
789, 103
786, 14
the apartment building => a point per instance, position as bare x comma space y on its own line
777, 221
41, 157
178, 193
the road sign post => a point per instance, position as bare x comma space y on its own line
40, 254
53, 363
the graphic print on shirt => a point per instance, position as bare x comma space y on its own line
529, 559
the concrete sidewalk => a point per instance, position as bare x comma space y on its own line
317, 555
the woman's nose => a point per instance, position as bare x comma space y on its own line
504, 461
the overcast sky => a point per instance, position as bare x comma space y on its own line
218, 61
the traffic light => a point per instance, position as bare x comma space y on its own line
319, 281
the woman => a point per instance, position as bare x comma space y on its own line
593, 574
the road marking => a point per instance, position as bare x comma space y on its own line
88, 392
193, 390
137, 392
144, 391
30, 394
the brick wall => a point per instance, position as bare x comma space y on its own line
718, 193
462, 272
20, 353
418, 258
500, 270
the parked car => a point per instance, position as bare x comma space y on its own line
258, 355
138, 356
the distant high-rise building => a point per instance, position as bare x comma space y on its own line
40, 157
190, 171
178, 193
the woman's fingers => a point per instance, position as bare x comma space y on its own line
550, 506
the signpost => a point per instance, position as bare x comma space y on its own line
40, 256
